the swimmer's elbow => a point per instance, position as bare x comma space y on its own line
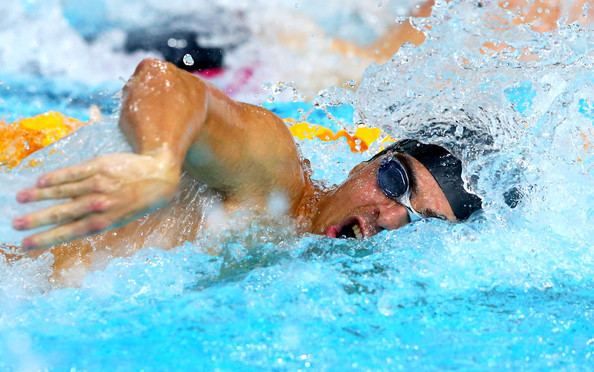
160, 76
151, 66
151, 72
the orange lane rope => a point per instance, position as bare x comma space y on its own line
22, 138
358, 142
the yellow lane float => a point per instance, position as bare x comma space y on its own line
22, 138
358, 142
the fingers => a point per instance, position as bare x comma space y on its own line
76, 229
71, 174
64, 212
95, 184
89, 224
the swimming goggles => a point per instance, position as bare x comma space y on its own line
394, 180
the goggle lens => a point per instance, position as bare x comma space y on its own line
392, 178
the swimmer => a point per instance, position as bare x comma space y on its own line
176, 123
178, 41
310, 41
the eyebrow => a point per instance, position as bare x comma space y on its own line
414, 187
432, 214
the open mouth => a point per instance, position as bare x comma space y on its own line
352, 229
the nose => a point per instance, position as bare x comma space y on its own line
392, 216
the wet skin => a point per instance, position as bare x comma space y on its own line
177, 123
360, 201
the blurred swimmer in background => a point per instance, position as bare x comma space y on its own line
240, 50
299, 51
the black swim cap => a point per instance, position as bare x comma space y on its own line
447, 171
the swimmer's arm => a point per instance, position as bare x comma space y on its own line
172, 120
387, 44
159, 121
241, 150
162, 111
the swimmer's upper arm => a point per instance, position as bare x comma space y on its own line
245, 151
242, 150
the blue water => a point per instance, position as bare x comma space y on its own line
510, 289
429, 296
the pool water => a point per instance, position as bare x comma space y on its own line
510, 289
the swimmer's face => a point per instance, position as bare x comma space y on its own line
359, 208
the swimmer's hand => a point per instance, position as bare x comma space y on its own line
102, 193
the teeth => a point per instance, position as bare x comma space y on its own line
357, 231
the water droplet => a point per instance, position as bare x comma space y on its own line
188, 60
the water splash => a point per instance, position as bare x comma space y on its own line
58, 39
455, 91
510, 288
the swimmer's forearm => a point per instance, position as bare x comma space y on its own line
163, 110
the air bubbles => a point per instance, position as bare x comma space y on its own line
387, 304
177, 43
188, 60
283, 92
278, 204
546, 87
350, 83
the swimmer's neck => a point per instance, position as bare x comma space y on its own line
308, 208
